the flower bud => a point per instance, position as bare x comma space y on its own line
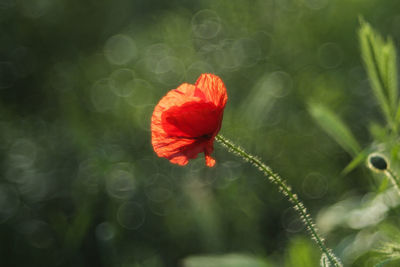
377, 162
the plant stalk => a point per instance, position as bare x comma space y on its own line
394, 179
287, 192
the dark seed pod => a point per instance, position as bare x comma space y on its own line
377, 162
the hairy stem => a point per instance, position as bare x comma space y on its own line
287, 192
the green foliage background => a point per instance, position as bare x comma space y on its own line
81, 186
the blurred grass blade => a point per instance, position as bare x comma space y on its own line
380, 61
390, 62
390, 252
334, 126
383, 186
383, 263
357, 160
226, 260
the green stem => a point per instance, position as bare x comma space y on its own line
287, 192
394, 179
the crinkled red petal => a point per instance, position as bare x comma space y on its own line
186, 120
212, 88
192, 119
168, 140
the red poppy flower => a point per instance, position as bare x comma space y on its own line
186, 120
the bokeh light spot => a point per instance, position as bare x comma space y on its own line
23, 153
122, 82
195, 69
143, 117
291, 221
120, 49
170, 70
120, 182
38, 233
105, 231
32, 185
103, 98
206, 24
159, 188
315, 185
142, 93
155, 53
247, 51
131, 215
88, 176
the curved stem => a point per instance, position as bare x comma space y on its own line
394, 179
287, 192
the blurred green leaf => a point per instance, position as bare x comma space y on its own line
378, 133
335, 127
389, 254
383, 263
380, 61
383, 186
301, 253
228, 260
357, 160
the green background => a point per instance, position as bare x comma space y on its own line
79, 182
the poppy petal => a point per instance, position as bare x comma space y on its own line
212, 88
187, 119
176, 145
192, 119
210, 162
182, 94
175, 97
182, 154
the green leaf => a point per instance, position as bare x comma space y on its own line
380, 60
335, 127
383, 186
357, 160
301, 253
390, 71
379, 133
390, 252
